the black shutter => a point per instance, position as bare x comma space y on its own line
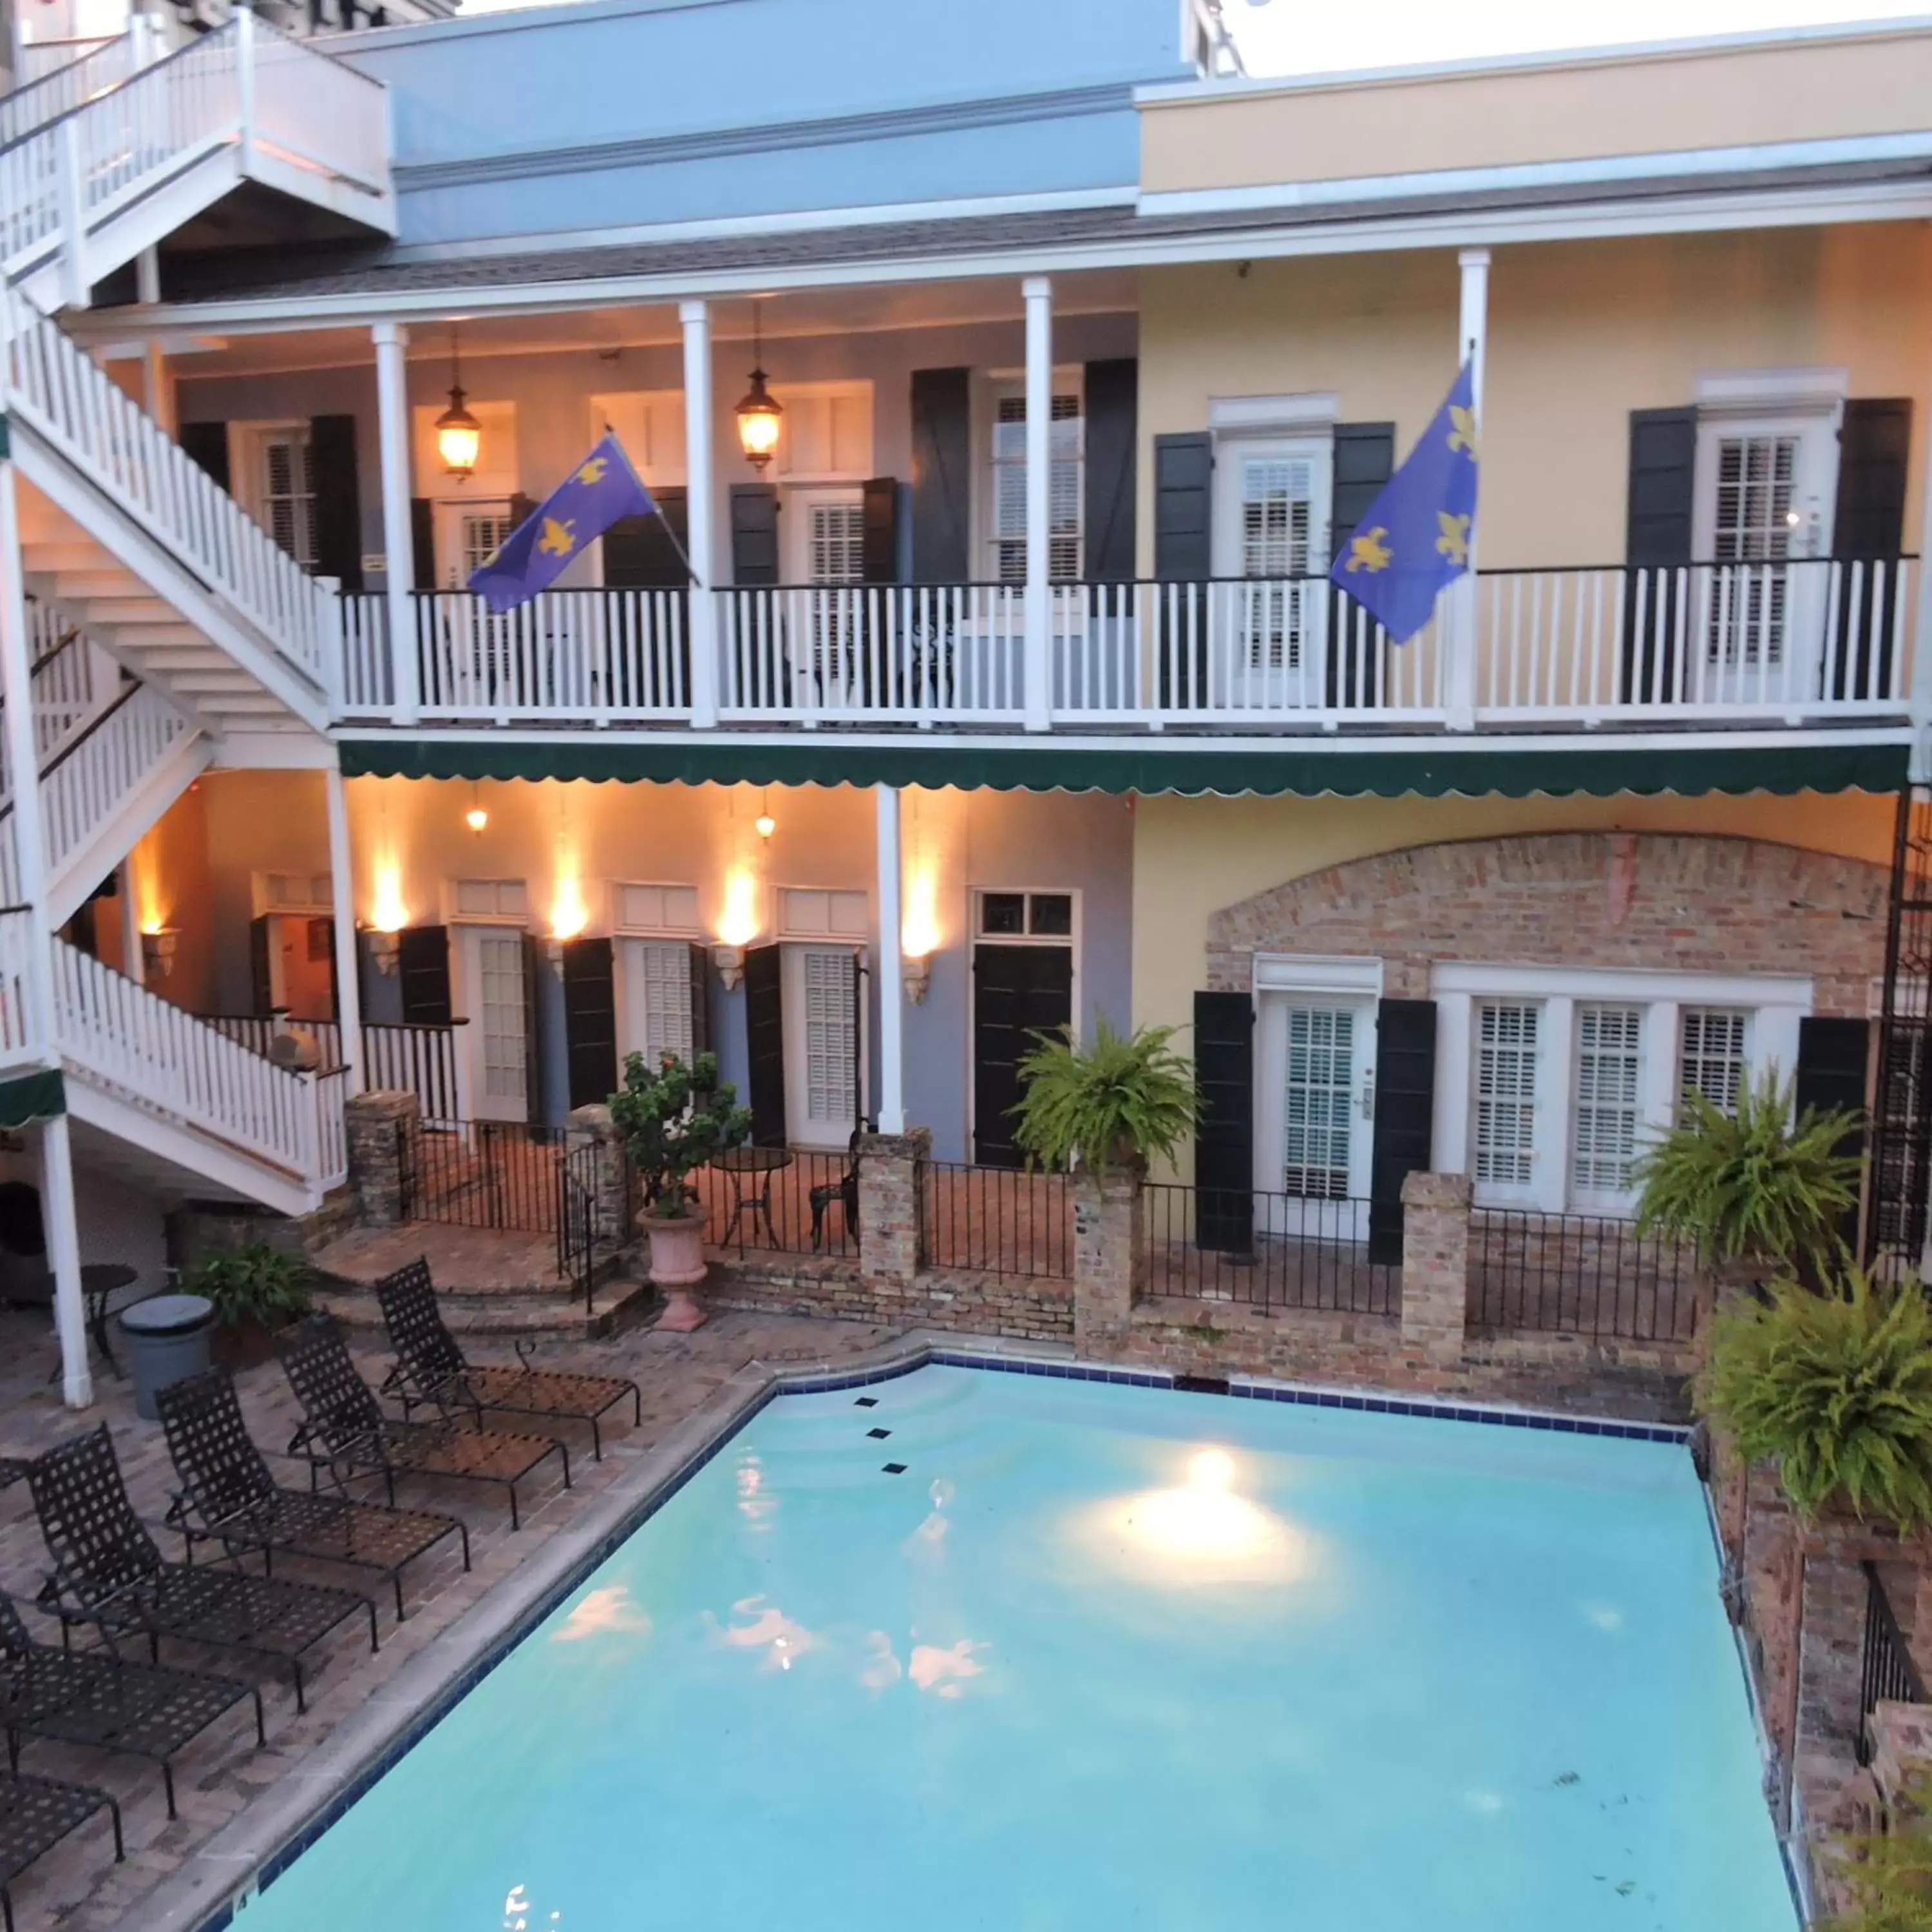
880, 546
1833, 1063
1112, 400
1402, 1136
328, 926
764, 1044
207, 444
700, 1000
942, 472
1224, 1140
1363, 459
859, 970
422, 975
261, 974
422, 541
589, 1021
1657, 541
639, 552
338, 503
1867, 534
754, 533
1183, 482
535, 1059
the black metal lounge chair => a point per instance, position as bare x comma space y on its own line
35, 1814
105, 1702
431, 1369
228, 1496
108, 1573
345, 1433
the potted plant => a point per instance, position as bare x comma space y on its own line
1127, 1099
1835, 1386
1885, 1876
256, 1290
675, 1119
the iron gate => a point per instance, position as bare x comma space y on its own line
484, 1174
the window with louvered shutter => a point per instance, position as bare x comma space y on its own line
837, 539
1066, 489
1711, 1054
1604, 1122
1506, 1055
664, 973
288, 493
1756, 514
1317, 1107
831, 1047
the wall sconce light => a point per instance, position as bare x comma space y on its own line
384, 952
475, 817
157, 951
759, 413
916, 970
459, 435
730, 961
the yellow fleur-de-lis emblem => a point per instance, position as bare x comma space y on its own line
1454, 543
1368, 549
593, 469
1462, 428
558, 538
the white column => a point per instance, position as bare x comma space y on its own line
696, 318
1038, 291
1919, 771
61, 1223
245, 86
892, 990
1472, 329
134, 960
342, 885
392, 412
71, 189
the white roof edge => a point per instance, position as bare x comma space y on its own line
1546, 61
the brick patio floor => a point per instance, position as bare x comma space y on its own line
78, 1887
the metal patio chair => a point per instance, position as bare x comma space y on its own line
108, 1573
104, 1702
228, 1495
36, 1813
345, 1434
842, 1193
432, 1370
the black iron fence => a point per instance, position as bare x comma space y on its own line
1286, 1251
1579, 1274
788, 1201
577, 1218
1886, 1671
996, 1220
483, 1174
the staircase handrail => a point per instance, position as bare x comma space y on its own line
36, 103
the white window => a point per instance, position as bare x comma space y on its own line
1318, 1102
278, 484
1506, 1067
500, 962
835, 540
1711, 1054
1604, 1128
1066, 447
660, 991
495, 901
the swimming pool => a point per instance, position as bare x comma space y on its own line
965, 1650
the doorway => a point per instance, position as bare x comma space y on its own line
824, 1040
1023, 959
1271, 522
1318, 1084
497, 996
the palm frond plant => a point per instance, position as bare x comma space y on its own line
1751, 1186
1834, 1388
1125, 1099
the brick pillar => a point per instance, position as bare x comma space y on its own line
1435, 1264
891, 1206
1109, 1258
379, 1126
593, 1126
1831, 1646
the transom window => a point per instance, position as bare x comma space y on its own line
1067, 443
1025, 915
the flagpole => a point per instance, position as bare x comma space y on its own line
1472, 330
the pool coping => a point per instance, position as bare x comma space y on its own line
218, 1881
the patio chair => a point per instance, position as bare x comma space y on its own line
345, 1433
35, 1814
104, 1702
108, 1573
228, 1496
844, 1191
431, 1369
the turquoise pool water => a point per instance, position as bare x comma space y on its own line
1100, 1657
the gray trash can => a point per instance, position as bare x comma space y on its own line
167, 1342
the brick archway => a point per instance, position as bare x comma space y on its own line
1690, 902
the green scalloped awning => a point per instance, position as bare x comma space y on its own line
32, 1097
830, 760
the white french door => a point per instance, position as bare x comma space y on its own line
1317, 1074
496, 998
657, 988
1271, 522
822, 1044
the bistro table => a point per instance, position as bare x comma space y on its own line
746, 1166
99, 1281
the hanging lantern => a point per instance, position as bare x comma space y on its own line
759, 413
459, 435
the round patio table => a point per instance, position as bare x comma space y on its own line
99, 1281
746, 1166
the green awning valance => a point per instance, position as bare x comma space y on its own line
1599, 769
32, 1097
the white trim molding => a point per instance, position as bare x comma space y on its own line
1751, 392
1318, 973
1301, 415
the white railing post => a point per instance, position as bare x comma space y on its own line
1038, 652
244, 83
696, 318
1463, 639
891, 1110
392, 412
342, 887
70, 186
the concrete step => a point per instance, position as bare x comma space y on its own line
559, 1314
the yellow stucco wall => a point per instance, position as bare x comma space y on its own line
1580, 334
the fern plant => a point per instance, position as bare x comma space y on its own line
1751, 1185
1887, 1876
1126, 1099
1835, 1387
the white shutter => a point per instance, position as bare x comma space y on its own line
1608, 1076
666, 977
1711, 1054
1506, 1053
830, 1042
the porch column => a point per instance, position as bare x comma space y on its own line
392, 414
696, 317
1038, 291
342, 886
892, 991
1472, 329
36, 954
1919, 698
133, 958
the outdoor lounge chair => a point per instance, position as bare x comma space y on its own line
35, 1814
230, 1497
105, 1702
432, 1369
345, 1433
108, 1573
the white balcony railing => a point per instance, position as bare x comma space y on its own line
56, 76
1628, 645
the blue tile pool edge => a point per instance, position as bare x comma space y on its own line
825, 1381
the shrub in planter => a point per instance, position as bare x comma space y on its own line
1127, 1099
1835, 1388
256, 1291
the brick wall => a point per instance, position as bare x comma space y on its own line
1027, 1309
1686, 902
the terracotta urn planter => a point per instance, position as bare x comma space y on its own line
678, 1266
245, 1344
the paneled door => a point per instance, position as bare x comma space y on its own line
1317, 1076
1271, 522
1018, 992
496, 998
823, 1040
